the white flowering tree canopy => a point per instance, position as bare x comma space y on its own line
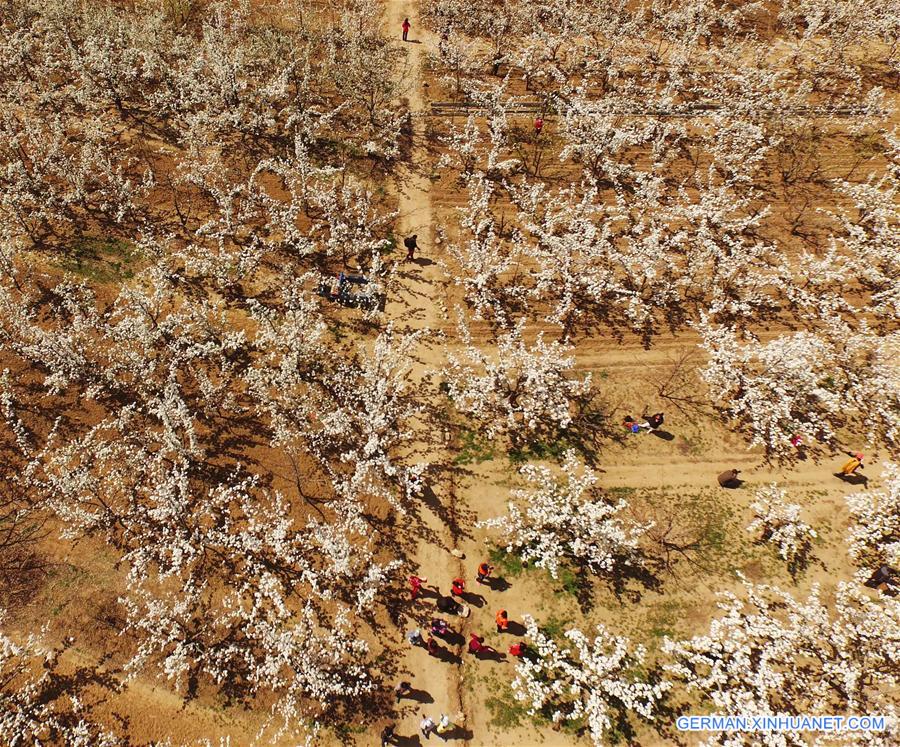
519, 389
43, 702
770, 653
874, 535
568, 521
598, 682
778, 522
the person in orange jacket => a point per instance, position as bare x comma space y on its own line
484, 571
502, 621
855, 463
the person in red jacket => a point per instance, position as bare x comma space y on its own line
518, 649
538, 124
406, 27
415, 586
457, 587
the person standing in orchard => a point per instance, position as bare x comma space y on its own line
427, 726
415, 585
484, 572
410, 243
406, 28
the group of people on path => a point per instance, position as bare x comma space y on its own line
440, 628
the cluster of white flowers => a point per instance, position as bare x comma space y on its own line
598, 680
874, 535
519, 389
779, 523
42, 703
773, 654
806, 384
568, 521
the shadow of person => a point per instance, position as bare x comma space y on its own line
412, 741
458, 732
423, 261
515, 628
420, 696
852, 479
664, 435
733, 483
490, 654
498, 584
476, 600
454, 638
446, 655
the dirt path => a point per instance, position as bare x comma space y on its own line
418, 309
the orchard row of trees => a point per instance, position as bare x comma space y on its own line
702, 175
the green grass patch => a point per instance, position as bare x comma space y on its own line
567, 581
506, 712
553, 627
475, 449
508, 563
540, 450
101, 260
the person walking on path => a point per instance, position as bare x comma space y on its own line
445, 726
502, 621
484, 572
427, 726
406, 28
855, 463
476, 645
432, 646
410, 243
415, 637
457, 587
415, 586
538, 125
518, 649
402, 690
387, 735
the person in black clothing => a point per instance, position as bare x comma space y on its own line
402, 690
387, 735
655, 420
410, 243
